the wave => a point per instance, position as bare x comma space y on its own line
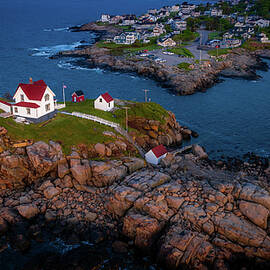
56, 29
62, 247
72, 65
51, 50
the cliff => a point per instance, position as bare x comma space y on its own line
187, 211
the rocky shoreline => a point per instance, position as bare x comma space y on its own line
189, 211
238, 64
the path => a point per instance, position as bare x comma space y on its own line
116, 126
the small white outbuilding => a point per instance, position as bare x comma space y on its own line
156, 154
104, 102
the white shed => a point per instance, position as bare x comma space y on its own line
156, 154
104, 102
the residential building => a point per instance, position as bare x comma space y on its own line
78, 96
126, 38
158, 30
129, 20
34, 101
216, 12
262, 23
105, 18
166, 42
179, 24
104, 102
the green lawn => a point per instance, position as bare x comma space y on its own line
69, 130
149, 110
181, 51
120, 49
184, 66
186, 35
215, 35
218, 52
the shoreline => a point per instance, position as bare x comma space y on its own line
237, 64
147, 209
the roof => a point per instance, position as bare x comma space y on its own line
159, 150
78, 93
26, 104
34, 91
107, 97
4, 102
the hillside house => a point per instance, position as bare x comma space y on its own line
34, 101
126, 38
129, 20
155, 155
166, 42
78, 96
104, 102
179, 25
105, 18
262, 23
158, 30
216, 12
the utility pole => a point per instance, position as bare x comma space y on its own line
200, 47
126, 108
64, 97
145, 94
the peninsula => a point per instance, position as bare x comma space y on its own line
185, 48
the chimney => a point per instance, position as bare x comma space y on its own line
30, 80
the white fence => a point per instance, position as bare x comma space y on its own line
60, 106
96, 119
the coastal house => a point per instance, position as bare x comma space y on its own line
179, 25
34, 101
129, 20
263, 38
104, 102
155, 155
5, 106
77, 96
216, 12
126, 38
166, 42
158, 30
262, 23
105, 18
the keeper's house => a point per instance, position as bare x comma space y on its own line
104, 102
33, 101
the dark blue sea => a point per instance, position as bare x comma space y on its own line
232, 117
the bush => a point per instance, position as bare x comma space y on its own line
185, 66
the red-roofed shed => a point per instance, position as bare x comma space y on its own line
104, 102
156, 154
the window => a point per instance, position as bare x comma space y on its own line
47, 107
15, 109
109, 104
28, 111
22, 97
100, 100
47, 97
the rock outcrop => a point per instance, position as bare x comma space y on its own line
238, 64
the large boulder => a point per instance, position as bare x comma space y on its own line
28, 210
44, 157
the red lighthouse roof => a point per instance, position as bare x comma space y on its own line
159, 150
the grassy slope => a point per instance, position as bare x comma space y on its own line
71, 131
149, 110
218, 52
68, 130
181, 51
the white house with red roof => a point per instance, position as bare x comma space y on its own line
34, 101
104, 102
156, 154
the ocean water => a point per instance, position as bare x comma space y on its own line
232, 117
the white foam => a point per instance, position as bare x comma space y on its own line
50, 50
70, 65
55, 29
62, 247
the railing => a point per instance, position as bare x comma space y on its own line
96, 119
60, 106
